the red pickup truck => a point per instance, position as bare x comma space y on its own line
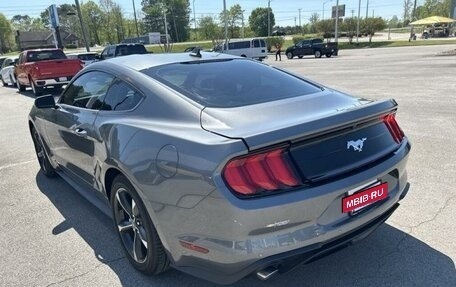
44, 68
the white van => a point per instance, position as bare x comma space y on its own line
250, 48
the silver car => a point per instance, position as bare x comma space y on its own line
7, 71
221, 166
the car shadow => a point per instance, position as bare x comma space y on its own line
389, 257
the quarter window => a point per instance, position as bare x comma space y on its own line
88, 90
121, 97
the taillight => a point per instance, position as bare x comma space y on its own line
266, 171
393, 127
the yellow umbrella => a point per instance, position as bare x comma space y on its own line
432, 20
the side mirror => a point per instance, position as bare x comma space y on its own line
45, 102
98, 57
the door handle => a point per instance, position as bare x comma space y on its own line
80, 132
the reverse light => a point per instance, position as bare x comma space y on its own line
266, 171
393, 127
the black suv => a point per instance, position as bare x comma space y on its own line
118, 50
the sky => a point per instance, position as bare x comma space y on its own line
286, 12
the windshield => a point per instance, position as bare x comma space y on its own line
230, 83
34, 56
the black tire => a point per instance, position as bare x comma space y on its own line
13, 82
328, 55
290, 55
317, 54
300, 57
37, 91
20, 87
4, 84
46, 168
137, 234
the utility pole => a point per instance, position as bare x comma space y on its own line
411, 20
136, 20
367, 9
337, 20
453, 9
300, 27
84, 32
166, 29
226, 24
194, 19
242, 31
295, 21
269, 17
357, 24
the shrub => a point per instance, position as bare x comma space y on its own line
71, 46
272, 41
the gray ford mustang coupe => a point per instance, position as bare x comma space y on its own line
222, 166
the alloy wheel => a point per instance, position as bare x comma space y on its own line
130, 225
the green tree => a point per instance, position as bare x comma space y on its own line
93, 17
372, 25
177, 16
325, 27
6, 34
314, 18
349, 25
209, 28
394, 22
258, 21
433, 8
234, 20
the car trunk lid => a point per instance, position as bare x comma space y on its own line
328, 133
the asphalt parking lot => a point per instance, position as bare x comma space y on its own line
51, 236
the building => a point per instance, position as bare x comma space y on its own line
44, 39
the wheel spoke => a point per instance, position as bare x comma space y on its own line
138, 253
123, 202
125, 226
134, 208
142, 236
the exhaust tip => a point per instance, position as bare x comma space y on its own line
267, 273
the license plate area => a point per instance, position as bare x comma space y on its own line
360, 198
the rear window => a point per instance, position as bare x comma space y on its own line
87, 57
230, 83
45, 55
123, 50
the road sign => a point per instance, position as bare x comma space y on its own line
53, 16
341, 11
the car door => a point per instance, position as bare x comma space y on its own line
71, 131
306, 48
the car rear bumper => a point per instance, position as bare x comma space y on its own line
286, 261
59, 81
224, 238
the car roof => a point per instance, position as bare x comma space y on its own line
81, 53
144, 61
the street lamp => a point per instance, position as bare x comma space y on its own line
323, 14
194, 19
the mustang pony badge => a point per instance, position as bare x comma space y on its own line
357, 145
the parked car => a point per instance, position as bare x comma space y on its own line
222, 166
249, 48
7, 71
119, 50
2, 59
278, 33
314, 47
191, 48
85, 57
44, 68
